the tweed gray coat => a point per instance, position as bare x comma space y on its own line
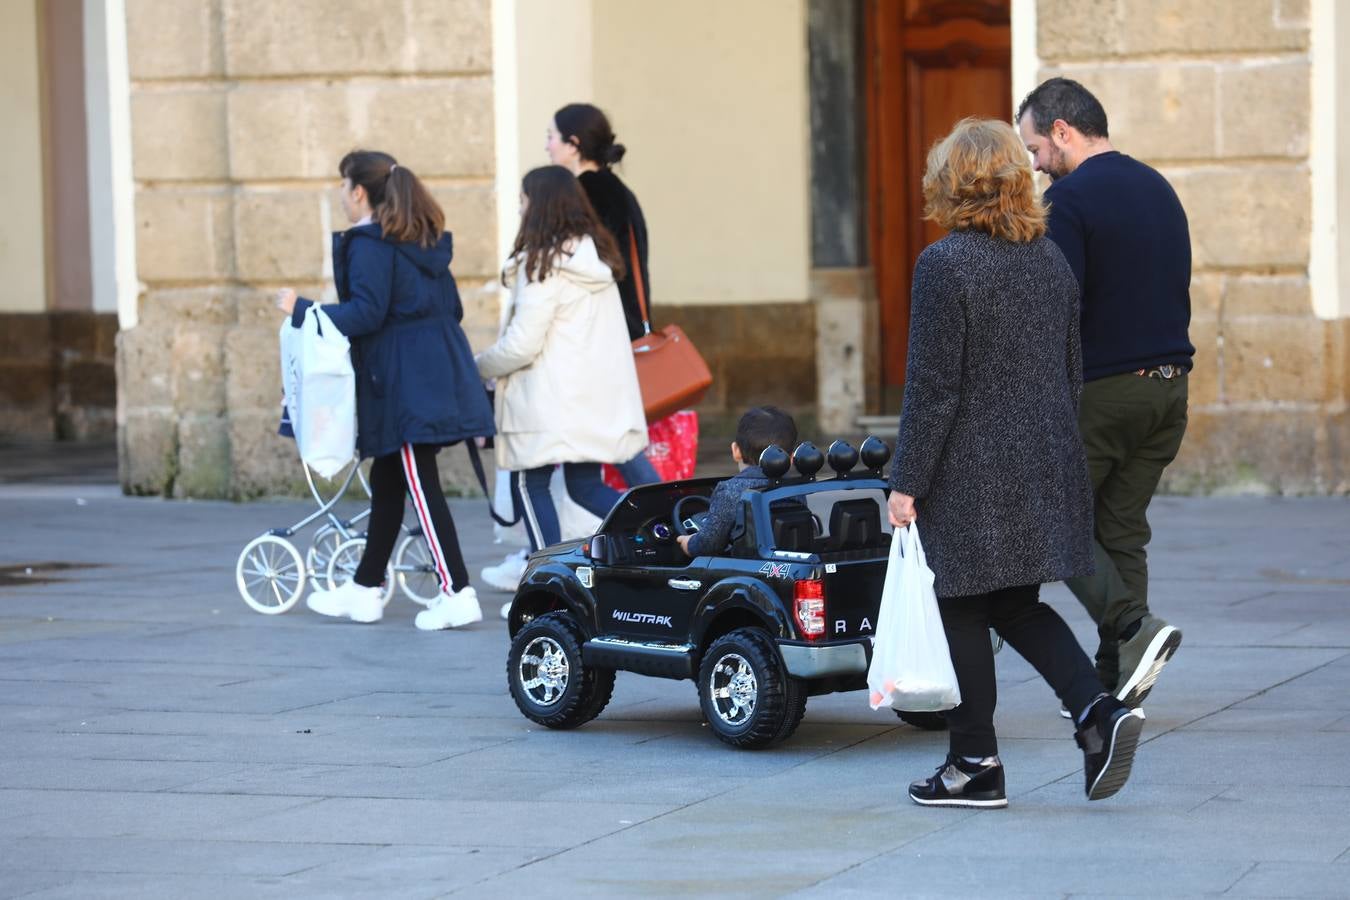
989, 443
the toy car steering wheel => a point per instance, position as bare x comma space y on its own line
685, 522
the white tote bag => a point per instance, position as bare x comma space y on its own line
911, 663
320, 386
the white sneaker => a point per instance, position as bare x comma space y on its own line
506, 609
505, 576
349, 600
451, 611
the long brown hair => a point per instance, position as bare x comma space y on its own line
557, 211
978, 178
399, 201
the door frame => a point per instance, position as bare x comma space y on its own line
896, 205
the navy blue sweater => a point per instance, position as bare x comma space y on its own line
1123, 231
726, 499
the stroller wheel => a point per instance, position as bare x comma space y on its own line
414, 570
270, 574
320, 552
343, 565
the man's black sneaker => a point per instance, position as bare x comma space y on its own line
960, 783
1108, 739
1142, 658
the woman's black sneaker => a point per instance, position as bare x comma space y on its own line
1108, 739
960, 783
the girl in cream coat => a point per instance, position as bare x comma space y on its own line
567, 389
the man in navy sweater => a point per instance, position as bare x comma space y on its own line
1124, 233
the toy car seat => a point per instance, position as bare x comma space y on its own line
855, 525
794, 527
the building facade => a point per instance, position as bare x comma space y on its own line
187, 151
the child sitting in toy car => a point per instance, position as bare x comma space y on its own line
756, 430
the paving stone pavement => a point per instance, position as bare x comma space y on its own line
160, 739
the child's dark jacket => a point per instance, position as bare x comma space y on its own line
416, 382
712, 538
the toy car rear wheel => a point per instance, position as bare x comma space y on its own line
547, 678
928, 721
748, 699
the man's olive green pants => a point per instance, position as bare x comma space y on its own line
1132, 427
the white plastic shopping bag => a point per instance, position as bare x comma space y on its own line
911, 663
320, 386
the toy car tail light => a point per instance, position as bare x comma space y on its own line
808, 607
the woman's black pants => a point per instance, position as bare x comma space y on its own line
411, 472
1032, 629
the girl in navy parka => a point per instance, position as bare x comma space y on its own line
417, 388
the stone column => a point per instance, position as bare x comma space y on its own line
1216, 95
842, 288
241, 110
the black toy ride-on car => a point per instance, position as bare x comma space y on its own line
785, 612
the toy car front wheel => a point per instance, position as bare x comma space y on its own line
548, 681
748, 699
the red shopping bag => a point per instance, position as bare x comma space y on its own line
672, 448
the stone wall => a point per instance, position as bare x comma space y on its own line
241, 110
56, 375
1216, 95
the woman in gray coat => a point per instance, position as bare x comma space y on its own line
990, 459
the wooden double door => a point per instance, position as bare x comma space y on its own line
929, 63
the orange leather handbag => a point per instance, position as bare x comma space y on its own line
670, 370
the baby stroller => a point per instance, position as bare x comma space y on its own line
271, 574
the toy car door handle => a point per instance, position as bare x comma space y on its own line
685, 584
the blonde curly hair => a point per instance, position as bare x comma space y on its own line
978, 178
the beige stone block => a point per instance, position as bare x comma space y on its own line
147, 452
1155, 111
262, 462
1270, 358
174, 38
203, 306
1246, 215
266, 38
1336, 454
1292, 13
1203, 387
203, 458
253, 371
1265, 109
198, 365
1067, 29
280, 235
471, 217
1283, 295
436, 127
179, 135
145, 368
1206, 293
184, 234
1230, 452
1206, 26
482, 310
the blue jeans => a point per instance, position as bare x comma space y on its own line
638, 470
584, 486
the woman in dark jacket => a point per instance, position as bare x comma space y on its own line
417, 388
990, 459
581, 140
